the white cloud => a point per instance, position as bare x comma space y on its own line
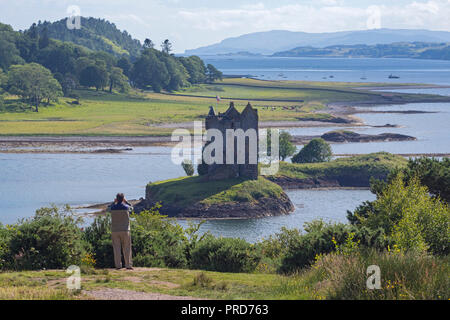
431, 14
195, 23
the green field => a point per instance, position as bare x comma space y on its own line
142, 113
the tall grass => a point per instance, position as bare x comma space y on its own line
404, 276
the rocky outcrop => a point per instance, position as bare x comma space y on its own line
333, 119
263, 207
349, 136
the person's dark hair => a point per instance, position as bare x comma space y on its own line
120, 197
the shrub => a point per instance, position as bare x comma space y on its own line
98, 236
293, 250
317, 150
188, 167
225, 255
407, 276
5, 236
433, 173
51, 240
202, 169
415, 220
157, 241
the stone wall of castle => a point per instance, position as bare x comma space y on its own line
232, 119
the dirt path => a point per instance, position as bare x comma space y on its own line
122, 294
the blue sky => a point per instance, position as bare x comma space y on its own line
193, 23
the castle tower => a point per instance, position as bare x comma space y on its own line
232, 119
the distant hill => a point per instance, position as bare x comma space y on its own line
95, 34
271, 42
420, 50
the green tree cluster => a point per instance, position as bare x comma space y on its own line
33, 83
76, 61
317, 150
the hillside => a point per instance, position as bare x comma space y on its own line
280, 40
95, 34
420, 50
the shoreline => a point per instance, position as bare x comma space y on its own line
344, 114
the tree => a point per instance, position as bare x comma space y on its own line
407, 212
3, 80
118, 80
125, 64
212, 73
166, 46
433, 173
317, 150
68, 83
8, 54
44, 40
149, 70
148, 44
34, 83
177, 73
188, 167
195, 67
287, 149
94, 76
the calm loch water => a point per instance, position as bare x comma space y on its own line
30, 181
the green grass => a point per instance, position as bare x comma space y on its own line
188, 190
405, 276
39, 285
142, 113
360, 167
293, 91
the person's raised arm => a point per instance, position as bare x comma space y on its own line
108, 208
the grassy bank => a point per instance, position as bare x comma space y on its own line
137, 113
188, 190
355, 170
173, 282
333, 276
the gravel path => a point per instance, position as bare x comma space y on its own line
122, 294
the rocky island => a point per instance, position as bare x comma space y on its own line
192, 197
342, 136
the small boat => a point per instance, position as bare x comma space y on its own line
391, 76
363, 77
331, 76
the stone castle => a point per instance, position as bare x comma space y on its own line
232, 119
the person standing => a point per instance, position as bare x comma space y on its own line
120, 231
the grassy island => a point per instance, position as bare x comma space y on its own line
188, 190
193, 196
354, 171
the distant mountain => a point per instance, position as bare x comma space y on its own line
95, 34
419, 50
275, 41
